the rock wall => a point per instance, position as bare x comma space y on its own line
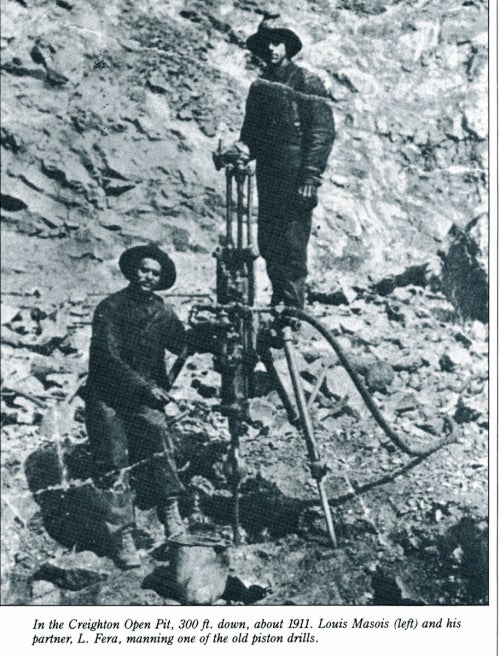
111, 111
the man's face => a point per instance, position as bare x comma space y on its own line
277, 52
147, 275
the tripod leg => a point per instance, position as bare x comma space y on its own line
249, 208
318, 470
291, 410
234, 430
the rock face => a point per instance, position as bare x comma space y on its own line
110, 112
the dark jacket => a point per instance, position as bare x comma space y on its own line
130, 334
288, 119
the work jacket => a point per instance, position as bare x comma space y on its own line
288, 121
130, 334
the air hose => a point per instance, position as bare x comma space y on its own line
400, 441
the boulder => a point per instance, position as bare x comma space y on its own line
455, 357
198, 573
464, 271
69, 578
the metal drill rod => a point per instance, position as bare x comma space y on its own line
240, 209
249, 207
308, 431
236, 375
235, 483
250, 331
245, 332
250, 260
229, 205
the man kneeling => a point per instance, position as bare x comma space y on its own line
126, 394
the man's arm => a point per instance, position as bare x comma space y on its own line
174, 333
318, 130
250, 131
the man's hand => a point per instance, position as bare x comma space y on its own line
237, 154
308, 193
160, 395
242, 150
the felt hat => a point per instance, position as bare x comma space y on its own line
271, 27
129, 261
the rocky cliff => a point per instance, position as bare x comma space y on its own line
111, 111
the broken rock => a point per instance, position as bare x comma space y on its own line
470, 410
407, 362
45, 593
455, 356
352, 325
198, 574
464, 273
262, 411
68, 579
339, 383
404, 402
379, 377
8, 312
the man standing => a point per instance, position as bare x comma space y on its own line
289, 130
126, 394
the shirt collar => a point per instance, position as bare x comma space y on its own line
280, 74
138, 297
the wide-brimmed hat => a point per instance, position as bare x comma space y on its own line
271, 27
130, 259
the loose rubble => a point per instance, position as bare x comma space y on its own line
419, 374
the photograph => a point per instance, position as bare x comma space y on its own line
245, 313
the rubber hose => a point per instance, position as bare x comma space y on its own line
398, 440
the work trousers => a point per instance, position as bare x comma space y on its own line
284, 228
120, 438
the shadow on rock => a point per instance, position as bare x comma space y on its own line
68, 579
456, 555
464, 549
263, 508
236, 591
73, 516
390, 590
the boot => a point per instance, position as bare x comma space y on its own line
171, 519
126, 556
294, 291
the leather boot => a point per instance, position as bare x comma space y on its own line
171, 519
294, 291
126, 556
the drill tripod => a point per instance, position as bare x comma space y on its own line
234, 331
240, 339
